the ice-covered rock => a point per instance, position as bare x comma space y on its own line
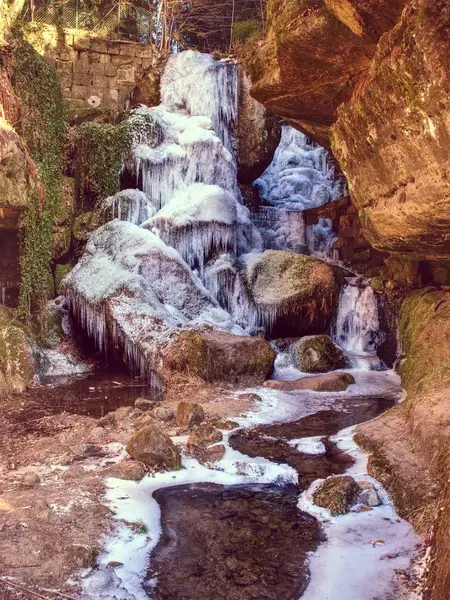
300, 176
130, 205
130, 291
198, 221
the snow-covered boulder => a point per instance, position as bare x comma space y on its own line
198, 221
130, 205
130, 291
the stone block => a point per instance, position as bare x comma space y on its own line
127, 49
144, 52
97, 69
81, 42
126, 74
100, 81
98, 45
113, 47
81, 78
80, 92
81, 66
110, 70
120, 61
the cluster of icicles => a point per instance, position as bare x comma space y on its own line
184, 165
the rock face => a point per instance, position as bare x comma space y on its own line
257, 132
17, 367
371, 78
219, 356
297, 72
317, 354
154, 448
338, 494
296, 294
397, 161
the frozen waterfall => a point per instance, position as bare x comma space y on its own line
357, 329
300, 176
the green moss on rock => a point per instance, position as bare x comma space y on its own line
16, 361
425, 340
317, 354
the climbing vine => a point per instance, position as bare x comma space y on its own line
100, 151
42, 126
102, 148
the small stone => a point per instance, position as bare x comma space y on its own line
370, 498
338, 494
204, 436
145, 403
30, 479
189, 414
211, 455
163, 414
83, 556
128, 470
250, 397
154, 448
366, 485
226, 425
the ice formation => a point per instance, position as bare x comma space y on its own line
205, 87
357, 329
198, 221
130, 205
281, 229
321, 237
301, 175
130, 290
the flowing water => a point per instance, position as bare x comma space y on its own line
246, 527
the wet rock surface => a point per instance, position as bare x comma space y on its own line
154, 448
235, 543
332, 382
317, 354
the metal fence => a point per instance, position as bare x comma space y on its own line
120, 20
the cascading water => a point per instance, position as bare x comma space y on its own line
357, 329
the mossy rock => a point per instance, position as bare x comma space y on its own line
85, 223
52, 333
62, 239
297, 293
338, 494
424, 332
16, 360
317, 354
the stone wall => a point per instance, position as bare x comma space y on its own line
95, 72
353, 248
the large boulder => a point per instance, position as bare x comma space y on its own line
293, 294
391, 138
219, 356
317, 354
189, 414
154, 448
122, 301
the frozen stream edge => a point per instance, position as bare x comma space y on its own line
348, 566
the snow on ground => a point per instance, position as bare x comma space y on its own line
363, 550
350, 536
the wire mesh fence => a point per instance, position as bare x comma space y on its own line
117, 19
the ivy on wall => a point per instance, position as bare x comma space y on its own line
43, 127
